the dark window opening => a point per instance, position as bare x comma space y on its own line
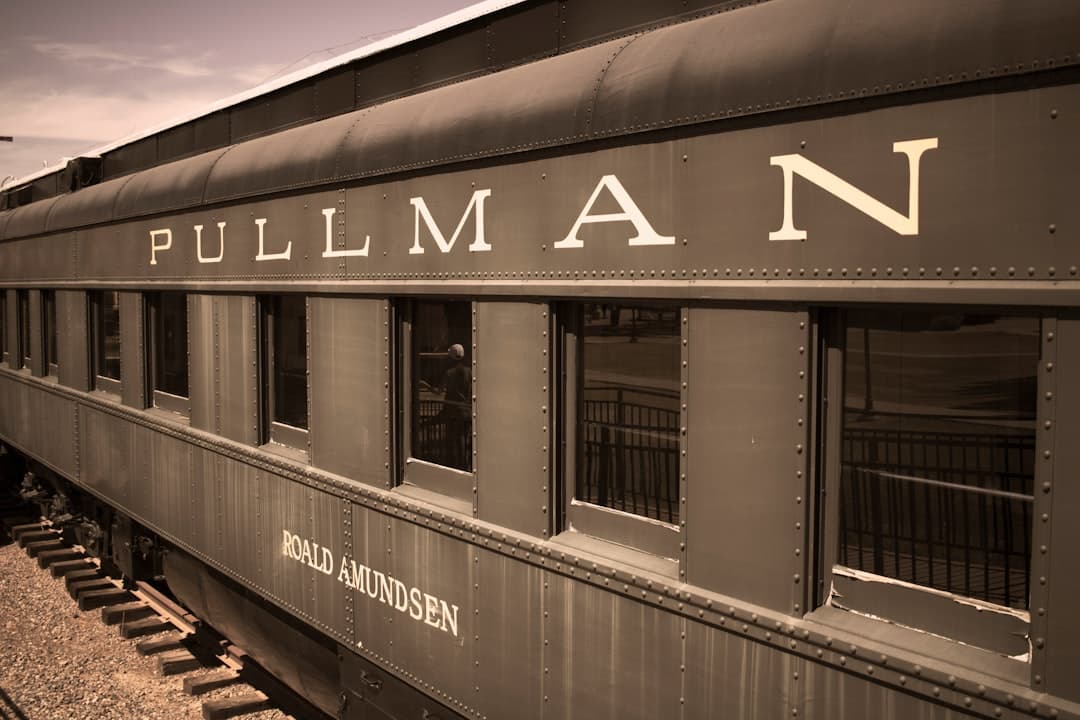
23, 307
3, 327
441, 384
48, 324
938, 450
105, 335
169, 347
628, 408
286, 359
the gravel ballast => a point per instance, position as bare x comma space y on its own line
59, 663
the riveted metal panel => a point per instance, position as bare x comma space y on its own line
15, 409
826, 694
29, 219
133, 381
282, 108
335, 92
385, 75
1062, 638
451, 55
73, 340
609, 656
746, 428
202, 363
130, 158
732, 676
509, 653
166, 187
110, 453
239, 532
40, 422
87, 206
525, 32
446, 569
48, 257
165, 492
371, 548
309, 586
45, 187
349, 425
513, 438
236, 389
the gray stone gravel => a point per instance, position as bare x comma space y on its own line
59, 663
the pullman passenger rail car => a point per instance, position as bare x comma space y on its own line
652, 359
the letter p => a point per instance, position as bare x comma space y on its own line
155, 246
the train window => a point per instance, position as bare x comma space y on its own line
285, 349
437, 388
3, 327
105, 340
48, 324
621, 384
936, 454
23, 352
168, 332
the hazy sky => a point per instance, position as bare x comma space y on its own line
75, 74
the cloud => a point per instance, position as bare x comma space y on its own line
165, 58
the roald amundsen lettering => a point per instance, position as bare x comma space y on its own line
161, 239
379, 586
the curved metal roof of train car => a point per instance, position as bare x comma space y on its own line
773, 56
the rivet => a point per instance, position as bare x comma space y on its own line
1052, 228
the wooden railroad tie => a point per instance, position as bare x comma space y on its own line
174, 662
126, 612
201, 684
157, 646
48, 558
233, 706
17, 529
77, 587
66, 567
81, 575
145, 626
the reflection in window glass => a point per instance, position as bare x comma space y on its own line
48, 321
938, 451
441, 374
105, 307
23, 307
287, 325
168, 316
628, 415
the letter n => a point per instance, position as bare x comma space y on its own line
478, 244
901, 224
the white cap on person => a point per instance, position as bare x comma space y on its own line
456, 352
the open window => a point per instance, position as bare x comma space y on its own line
435, 340
105, 340
284, 366
23, 351
3, 327
930, 471
167, 321
620, 384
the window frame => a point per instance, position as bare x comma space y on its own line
24, 354
162, 399
639, 532
96, 324
49, 332
442, 480
273, 431
983, 630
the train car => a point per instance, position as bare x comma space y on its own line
591, 360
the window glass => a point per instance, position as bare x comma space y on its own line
628, 409
170, 352
441, 374
938, 451
105, 307
3, 326
23, 299
48, 322
288, 360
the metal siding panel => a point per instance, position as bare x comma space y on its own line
130, 158
510, 649
834, 695
1062, 629
110, 447
385, 75
241, 539
133, 382
512, 442
371, 547
42, 258
207, 469
282, 108
455, 54
524, 32
167, 187
335, 92
746, 401
609, 656
165, 493
349, 426
55, 431
445, 568
88, 206
202, 362
73, 340
235, 372
732, 676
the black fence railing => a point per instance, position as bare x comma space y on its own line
945, 510
442, 433
630, 453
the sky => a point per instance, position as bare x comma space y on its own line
76, 74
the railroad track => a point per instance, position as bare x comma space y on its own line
178, 641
